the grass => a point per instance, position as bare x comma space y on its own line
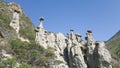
31, 53
26, 28
113, 46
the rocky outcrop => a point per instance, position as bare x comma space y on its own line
75, 55
41, 34
97, 56
4, 55
72, 51
16, 10
56, 41
15, 22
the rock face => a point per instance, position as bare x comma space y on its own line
41, 37
49, 39
75, 55
72, 51
16, 10
96, 53
16, 19
100, 57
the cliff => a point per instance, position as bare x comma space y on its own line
24, 46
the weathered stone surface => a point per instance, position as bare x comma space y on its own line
60, 40
99, 57
40, 35
105, 57
76, 59
15, 23
96, 53
51, 40
15, 20
4, 55
72, 51
23, 39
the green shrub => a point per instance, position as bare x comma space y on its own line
50, 53
34, 45
17, 43
4, 21
26, 28
31, 53
27, 33
25, 65
9, 63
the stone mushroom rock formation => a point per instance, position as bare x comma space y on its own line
96, 53
15, 21
40, 34
15, 24
72, 51
75, 55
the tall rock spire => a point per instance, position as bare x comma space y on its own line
96, 53
40, 34
72, 36
15, 20
89, 38
41, 22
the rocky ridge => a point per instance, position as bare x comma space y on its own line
72, 51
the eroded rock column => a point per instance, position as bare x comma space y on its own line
40, 34
76, 59
96, 53
15, 20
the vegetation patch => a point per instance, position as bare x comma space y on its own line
31, 53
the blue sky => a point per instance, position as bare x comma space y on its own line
101, 16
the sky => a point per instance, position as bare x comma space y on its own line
101, 16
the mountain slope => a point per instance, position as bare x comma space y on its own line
15, 52
113, 45
6, 13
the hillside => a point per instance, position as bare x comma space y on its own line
24, 46
113, 45
6, 13
19, 48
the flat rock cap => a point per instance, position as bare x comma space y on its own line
89, 31
41, 19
